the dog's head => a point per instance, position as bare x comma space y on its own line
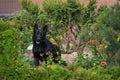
39, 34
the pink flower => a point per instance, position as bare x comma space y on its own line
87, 54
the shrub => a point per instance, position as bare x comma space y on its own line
97, 32
109, 20
104, 32
88, 13
10, 56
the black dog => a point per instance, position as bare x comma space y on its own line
41, 45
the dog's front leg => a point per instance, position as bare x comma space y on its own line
36, 62
45, 58
55, 57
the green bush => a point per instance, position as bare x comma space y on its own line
105, 32
109, 22
15, 36
9, 38
88, 13
10, 56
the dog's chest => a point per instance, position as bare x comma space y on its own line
42, 49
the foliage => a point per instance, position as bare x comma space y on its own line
90, 60
113, 14
88, 13
33, 9
104, 32
110, 23
99, 31
56, 72
63, 14
8, 38
10, 56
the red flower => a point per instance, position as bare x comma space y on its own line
103, 63
91, 41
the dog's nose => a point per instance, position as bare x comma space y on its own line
38, 40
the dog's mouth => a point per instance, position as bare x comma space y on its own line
37, 42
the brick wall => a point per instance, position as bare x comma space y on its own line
9, 6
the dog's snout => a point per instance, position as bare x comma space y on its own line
38, 38
41, 34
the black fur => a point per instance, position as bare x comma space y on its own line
41, 45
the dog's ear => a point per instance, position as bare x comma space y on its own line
45, 28
36, 26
